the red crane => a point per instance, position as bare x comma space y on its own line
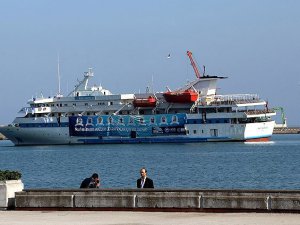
198, 75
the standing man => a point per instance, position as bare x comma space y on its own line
91, 182
144, 181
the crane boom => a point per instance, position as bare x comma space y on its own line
190, 55
283, 118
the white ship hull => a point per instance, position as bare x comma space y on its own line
61, 136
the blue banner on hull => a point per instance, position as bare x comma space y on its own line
127, 125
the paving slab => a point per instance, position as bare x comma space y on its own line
143, 218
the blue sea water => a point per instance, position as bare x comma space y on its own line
272, 165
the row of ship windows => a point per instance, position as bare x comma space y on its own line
75, 114
74, 104
233, 120
44, 125
213, 132
199, 121
140, 121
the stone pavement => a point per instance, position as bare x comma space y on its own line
143, 218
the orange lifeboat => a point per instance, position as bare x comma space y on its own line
186, 96
145, 102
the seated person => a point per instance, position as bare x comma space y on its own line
91, 182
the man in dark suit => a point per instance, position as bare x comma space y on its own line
144, 181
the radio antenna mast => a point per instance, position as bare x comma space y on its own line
58, 75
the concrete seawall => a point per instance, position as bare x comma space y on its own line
160, 200
286, 130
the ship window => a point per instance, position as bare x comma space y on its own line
142, 112
65, 104
111, 103
86, 104
74, 104
60, 105
187, 131
195, 131
214, 132
202, 131
88, 113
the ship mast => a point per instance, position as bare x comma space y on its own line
58, 76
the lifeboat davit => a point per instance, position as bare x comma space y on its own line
145, 102
186, 96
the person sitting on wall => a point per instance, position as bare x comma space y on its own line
91, 182
144, 181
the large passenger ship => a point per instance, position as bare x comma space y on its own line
93, 115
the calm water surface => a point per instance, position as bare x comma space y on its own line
273, 165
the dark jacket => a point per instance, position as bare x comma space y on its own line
148, 183
88, 183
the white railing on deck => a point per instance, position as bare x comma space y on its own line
232, 99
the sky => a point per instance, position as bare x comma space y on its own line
255, 43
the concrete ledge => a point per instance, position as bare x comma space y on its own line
102, 201
151, 201
160, 200
40, 201
285, 203
235, 202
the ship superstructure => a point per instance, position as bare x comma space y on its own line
93, 115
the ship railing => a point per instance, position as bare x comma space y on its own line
234, 99
117, 112
257, 111
168, 108
26, 110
